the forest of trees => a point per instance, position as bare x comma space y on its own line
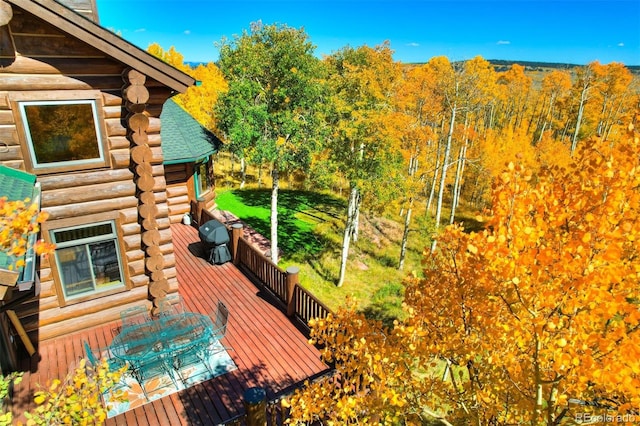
509, 325
534, 320
395, 134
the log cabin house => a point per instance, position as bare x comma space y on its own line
80, 108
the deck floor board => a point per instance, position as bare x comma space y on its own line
268, 349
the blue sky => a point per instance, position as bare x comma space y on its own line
565, 31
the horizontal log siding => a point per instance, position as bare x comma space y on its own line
178, 198
49, 60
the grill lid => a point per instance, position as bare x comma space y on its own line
213, 232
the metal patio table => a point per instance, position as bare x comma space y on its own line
164, 339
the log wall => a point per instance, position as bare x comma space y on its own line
181, 191
40, 58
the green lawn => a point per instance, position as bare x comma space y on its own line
299, 212
310, 227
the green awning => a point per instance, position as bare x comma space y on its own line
18, 185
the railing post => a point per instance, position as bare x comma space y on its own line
255, 405
292, 281
236, 234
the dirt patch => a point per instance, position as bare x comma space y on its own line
361, 265
380, 231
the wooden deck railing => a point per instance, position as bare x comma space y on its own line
264, 270
307, 306
272, 412
298, 302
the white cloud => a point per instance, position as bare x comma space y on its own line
503, 42
413, 44
140, 30
187, 32
620, 44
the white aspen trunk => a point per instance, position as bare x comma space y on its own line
565, 129
456, 185
443, 174
459, 171
233, 167
462, 168
548, 117
538, 384
521, 111
574, 140
434, 181
611, 119
355, 228
552, 405
243, 172
533, 115
492, 116
405, 235
602, 117
409, 173
348, 230
260, 175
274, 216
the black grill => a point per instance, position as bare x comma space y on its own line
215, 236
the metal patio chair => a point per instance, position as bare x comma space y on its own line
172, 304
154, 368
134, 316
94, 356
220, 323
200, 355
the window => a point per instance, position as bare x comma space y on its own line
88, 260
203, 178
62, 134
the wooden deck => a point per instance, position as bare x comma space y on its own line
268, 349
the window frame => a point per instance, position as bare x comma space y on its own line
90, 97
207, 162
49, 227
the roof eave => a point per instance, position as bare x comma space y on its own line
102, 39
189, 159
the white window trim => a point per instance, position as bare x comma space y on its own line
113, 236
197, 176
63, 164
51, 97
51, 226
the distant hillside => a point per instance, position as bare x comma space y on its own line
535, 67
536, 70
501, 65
